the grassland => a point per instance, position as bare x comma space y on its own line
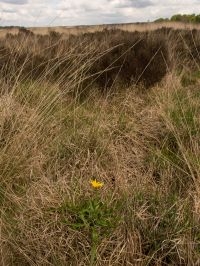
76, 30
116, 106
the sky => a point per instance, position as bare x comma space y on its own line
90, 12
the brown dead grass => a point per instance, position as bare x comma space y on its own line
76, 30
143, 144
141, 27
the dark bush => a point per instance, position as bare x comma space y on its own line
135, 58
110, 56
25, 31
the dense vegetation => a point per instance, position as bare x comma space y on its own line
185, 18
119, 107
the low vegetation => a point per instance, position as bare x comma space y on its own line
99, 137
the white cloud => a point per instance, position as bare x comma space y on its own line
15, 2
79, 12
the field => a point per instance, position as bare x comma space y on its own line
66, 31
116, 104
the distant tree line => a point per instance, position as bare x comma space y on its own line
186, 18
11, 27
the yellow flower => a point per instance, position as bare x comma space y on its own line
96, 184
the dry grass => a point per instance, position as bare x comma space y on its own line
76, 30
143, 144
158, 25
141, 27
